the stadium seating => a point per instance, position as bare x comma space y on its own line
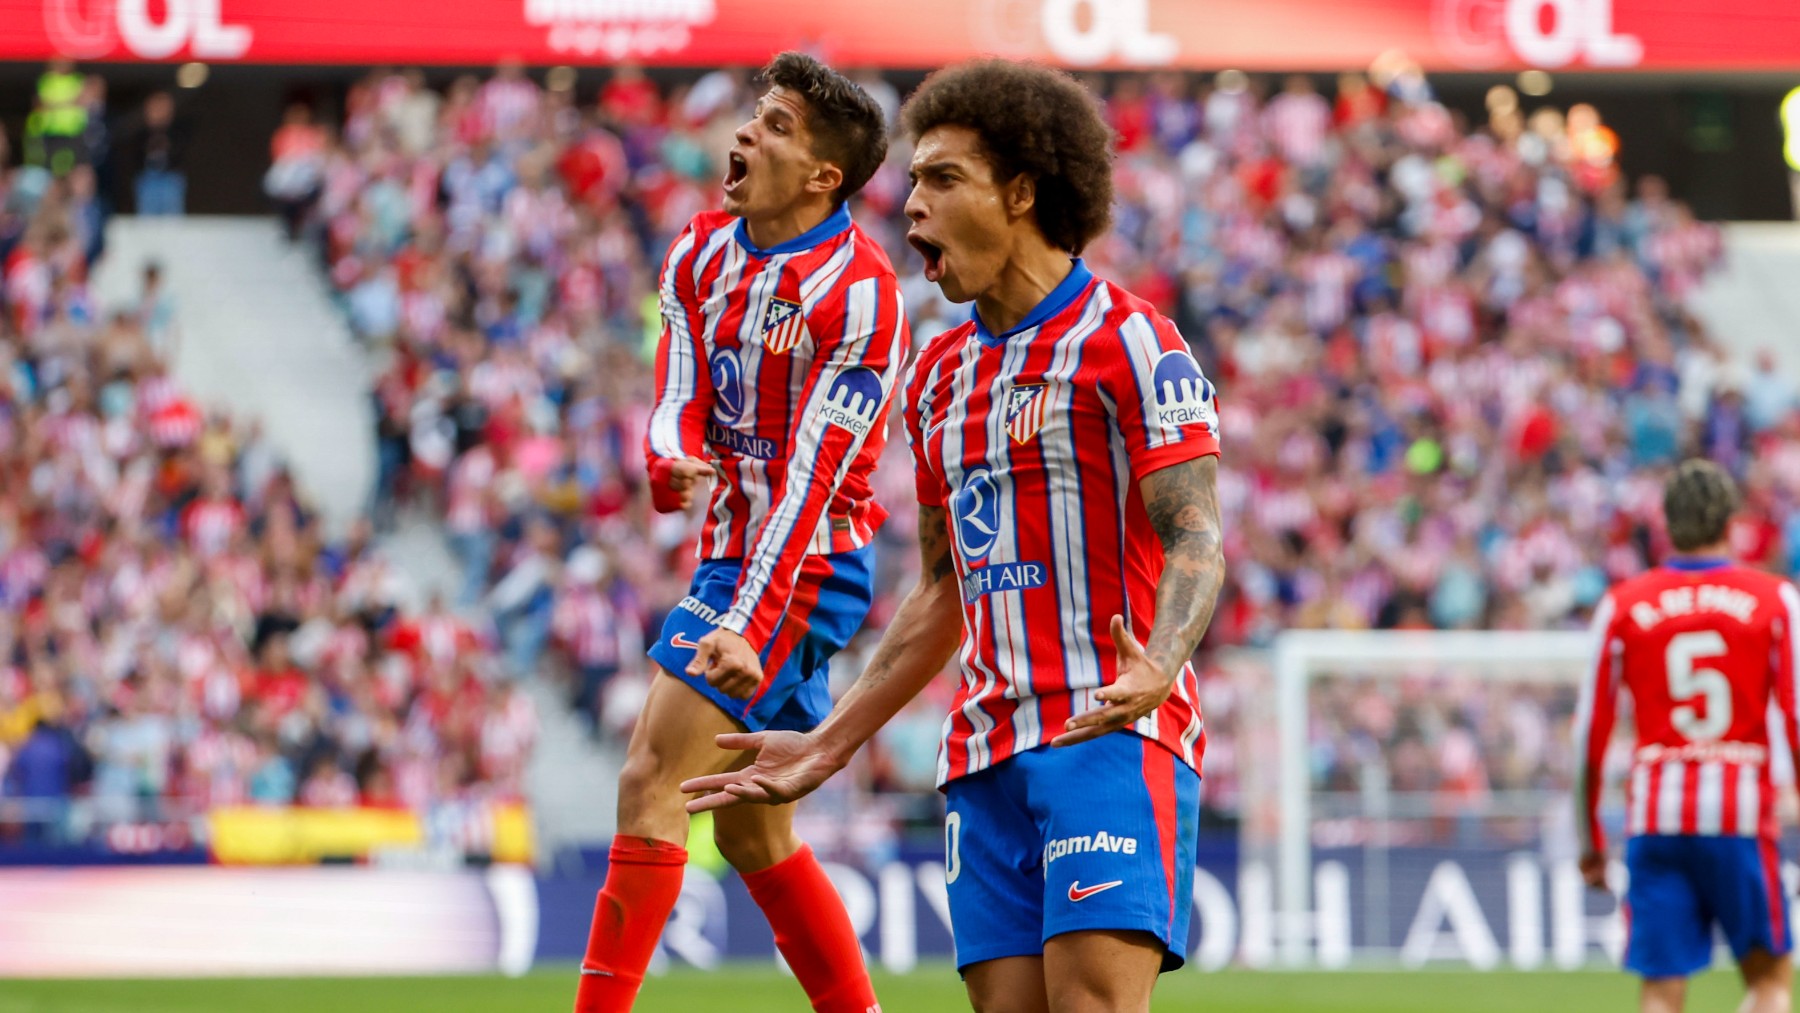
178, 632
1452, 355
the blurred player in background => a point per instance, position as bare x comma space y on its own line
1066, 447
783, 338
1704, 646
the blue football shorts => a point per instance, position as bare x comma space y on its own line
1682, 887
1099, 836
831, 597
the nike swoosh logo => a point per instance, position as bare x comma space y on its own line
1077, 892
679, 640
931, 430
596, 972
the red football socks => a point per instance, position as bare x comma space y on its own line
643, 880
814, 934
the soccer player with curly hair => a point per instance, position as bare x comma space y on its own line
1065, 446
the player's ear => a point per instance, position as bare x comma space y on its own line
825, 179
1021, 195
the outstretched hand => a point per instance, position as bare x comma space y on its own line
788, 765
1140, 688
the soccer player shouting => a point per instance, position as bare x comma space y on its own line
1065, 445
1704, 646
783, 337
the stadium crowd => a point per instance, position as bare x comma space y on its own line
1453, 354
177, 629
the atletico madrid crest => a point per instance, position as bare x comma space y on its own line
782, 326
1025, 410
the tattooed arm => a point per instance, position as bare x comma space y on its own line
918, 643
1183, 505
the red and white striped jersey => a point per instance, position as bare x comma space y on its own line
210, 524
1034, 442
778, 364
1328, 278
1703, 646
1299, 124
588, 626
471, 478
507, 105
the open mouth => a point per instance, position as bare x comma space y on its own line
735, 171
933, 254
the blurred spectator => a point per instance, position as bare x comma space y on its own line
328, 786
524, 599
590, 631
1770, 396
154, 151
155, 313
56, 128
44, 773
133, 752
297, 166
272, 779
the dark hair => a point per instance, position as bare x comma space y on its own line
846, 125
1698, 501
1035, 121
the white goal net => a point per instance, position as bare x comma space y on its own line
1423, 810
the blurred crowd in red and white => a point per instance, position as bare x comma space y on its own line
177, 629
1454, 357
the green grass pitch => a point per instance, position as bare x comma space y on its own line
762, 990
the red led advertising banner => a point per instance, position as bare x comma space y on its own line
1252, 34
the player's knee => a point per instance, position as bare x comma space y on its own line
1096, 994
1764, 970
1094, 987
752, 849
1770, 996
1768, 982
1663, 995
644, 783
997, 1001
744, 852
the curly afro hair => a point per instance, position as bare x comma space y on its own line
1035, 121
846, 125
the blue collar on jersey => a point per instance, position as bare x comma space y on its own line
834, 224
1058, 300
1696, 563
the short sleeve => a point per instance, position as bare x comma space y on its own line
1166, 408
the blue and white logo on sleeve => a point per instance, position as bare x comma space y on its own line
977, 510
853, 401
1182, 394
728, 385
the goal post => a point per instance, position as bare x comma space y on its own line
1302, 658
